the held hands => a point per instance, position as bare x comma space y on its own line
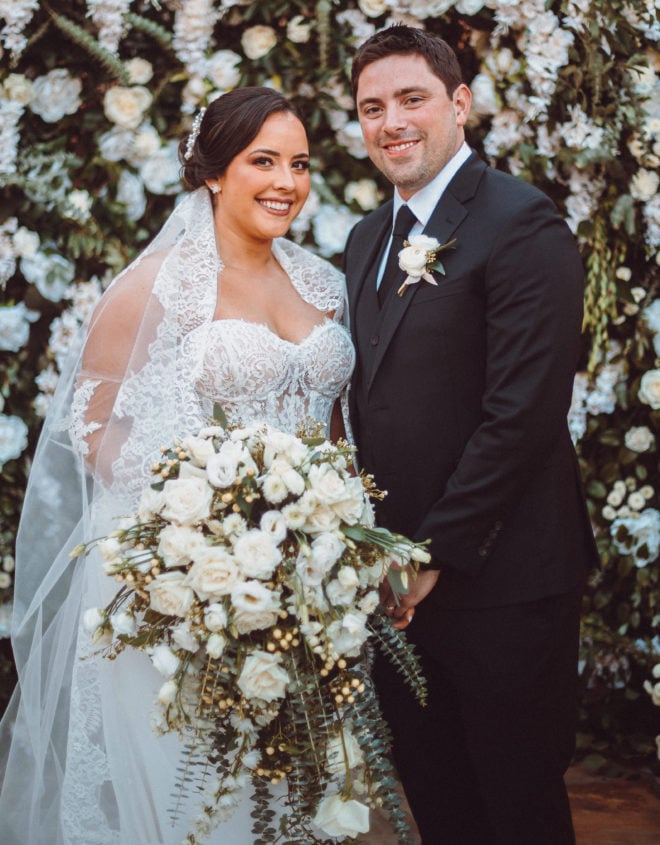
401, 607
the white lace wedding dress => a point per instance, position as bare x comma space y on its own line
96, 773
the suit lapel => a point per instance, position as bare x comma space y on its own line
365, 262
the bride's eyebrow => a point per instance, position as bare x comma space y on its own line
263, 151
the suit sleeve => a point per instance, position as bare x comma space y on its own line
533, 284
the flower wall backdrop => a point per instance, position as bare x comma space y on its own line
95, 94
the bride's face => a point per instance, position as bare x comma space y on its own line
267, 183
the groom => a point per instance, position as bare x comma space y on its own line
459, 405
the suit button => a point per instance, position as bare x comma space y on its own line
374, 340
482, 552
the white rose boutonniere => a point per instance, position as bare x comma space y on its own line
419, 257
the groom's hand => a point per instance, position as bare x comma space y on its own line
420, 585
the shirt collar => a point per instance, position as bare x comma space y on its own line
425, 200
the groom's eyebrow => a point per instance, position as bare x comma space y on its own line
399, 92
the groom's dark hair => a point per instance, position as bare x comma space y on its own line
407, 41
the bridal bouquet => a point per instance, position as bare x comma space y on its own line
250, 577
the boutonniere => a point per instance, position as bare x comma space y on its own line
419, 258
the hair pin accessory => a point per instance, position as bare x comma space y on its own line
194, 132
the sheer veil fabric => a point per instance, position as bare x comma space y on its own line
82, 765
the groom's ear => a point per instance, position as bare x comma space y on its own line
462, 102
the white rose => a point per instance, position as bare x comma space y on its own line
215, 646
125, 107
326, 483
248, 621
19, 88
184, 637
214, 572
338, 595
123, 623
222, 466
373, 8
326, 549
140, 71
279, 444
169, 594
26, 242
263, 677
223, 71
350, 136
200, 450
254, 597
160, 172
649, 389
298, 30
145, 143
186, 500
321, 519
151, 501
13, 438
348, 634
273, 524
256, 554
343, 753
215, 617
484, 96
15, 326
351, 509
364, 192
168, 692
347, 577
164, 660
369, 603
339, 817
258, 40
55, 95
644, 184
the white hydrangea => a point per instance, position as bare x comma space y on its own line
485, 100
13, 438
15, 326
130, 192
506, 133
160, 172
332, 225
26, 242
55, 95
193, 29
50, 273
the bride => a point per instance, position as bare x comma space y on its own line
218, 309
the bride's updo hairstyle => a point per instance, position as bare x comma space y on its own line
230, 123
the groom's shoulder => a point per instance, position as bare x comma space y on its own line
375, 219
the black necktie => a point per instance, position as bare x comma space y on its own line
393, 275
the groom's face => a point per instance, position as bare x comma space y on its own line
411, 126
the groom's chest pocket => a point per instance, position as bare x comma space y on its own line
455, 304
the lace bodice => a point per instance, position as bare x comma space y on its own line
256, 375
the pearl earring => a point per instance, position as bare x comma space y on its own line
215, 188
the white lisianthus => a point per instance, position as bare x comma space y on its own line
140, 71
338, 595
311, 571
215, 646
55, 95
125, 107
273, 524
247, 621
254, 597
184, 637
25, 242
339, 817
364, 192
279, 444
326, 549
15, 326
223, 467
369, 603
151, 502
215, 617
214, 572
263, 677
292, 479
186, 500
420, 555
222, 68
298, 30
256, 554
649, 389
168, 692
123, 623
258, 40
348, 634
164, 660
274, 489
351, 508
343, 753
644, 184
170, 595
13, 438
348, 577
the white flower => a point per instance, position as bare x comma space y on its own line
332, 225
262, 677
145, 143
638, 536
484, 96
339, 817
364, 192
321, 517
164, 660
326, 549
15, 326
369, 603
140, 71
644, 184
170, 595
257, 554
373, 8
123, 623
350, 136
168, 692
469, 7
294, 515
125, 107
93, 619
214, 572
55, 95
338, 595
184, 637
215, 617
130, 192
258, 40
254, 597
247, 621
651, 313
639, 438
19, 88
51, 274
350, 509
326, 483
78, 205
615, 498
274, 489
298, 30
222, 69
26, 242
347, 577
160, 172
636, 501
13, 438
186, 500
348, 634
234, 525
654, 691
274, 525
151, 501
649, 389
343, 753
215, 645
223, 466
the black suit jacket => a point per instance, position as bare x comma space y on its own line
461, 392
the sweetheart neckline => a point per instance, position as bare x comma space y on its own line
264, 326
